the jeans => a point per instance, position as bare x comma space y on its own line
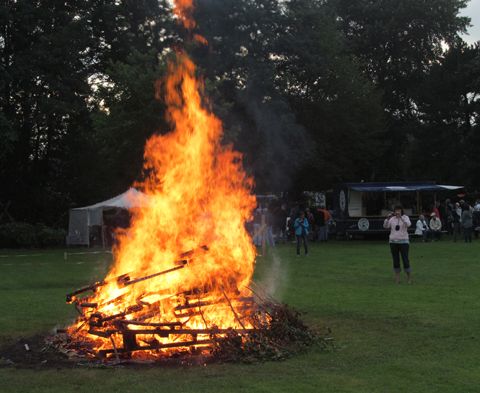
398, 249
257, 238
323, 233
305, 243
270, 239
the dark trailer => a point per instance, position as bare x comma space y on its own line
361, 208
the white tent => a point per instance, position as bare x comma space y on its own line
81, 219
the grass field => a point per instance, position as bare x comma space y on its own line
423, 337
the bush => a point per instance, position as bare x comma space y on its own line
50, 237
17, 234
24, 235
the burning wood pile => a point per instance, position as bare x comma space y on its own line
158, 301
131, 329
263, 329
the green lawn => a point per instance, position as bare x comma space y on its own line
423, 337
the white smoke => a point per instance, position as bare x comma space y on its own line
275, 277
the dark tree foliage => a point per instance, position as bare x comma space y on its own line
46, 57
241, 69
447, 141
331, 98
51, 52
127, 114
398, 41
289, 91
311, 91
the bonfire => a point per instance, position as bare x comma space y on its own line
181, 279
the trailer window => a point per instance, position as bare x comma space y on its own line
408, 200
376, 204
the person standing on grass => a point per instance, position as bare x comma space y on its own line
476, 218
467, 223
311, 222
326, 217
457, 218
281, 217
257, 220
301, 232
398, 223
449, 216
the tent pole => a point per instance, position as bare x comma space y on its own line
418, 203
103, 236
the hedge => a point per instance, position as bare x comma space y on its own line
24, 235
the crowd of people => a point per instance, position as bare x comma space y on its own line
452, 218
282, 224
278, 223
457, 219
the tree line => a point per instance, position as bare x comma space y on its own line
313, 92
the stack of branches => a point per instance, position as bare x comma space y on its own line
278, 336
265, 329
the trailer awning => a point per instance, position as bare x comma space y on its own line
400, 187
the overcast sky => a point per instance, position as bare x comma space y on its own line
473, 11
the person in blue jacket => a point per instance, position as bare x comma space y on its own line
301, 227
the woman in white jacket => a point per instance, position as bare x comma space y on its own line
422, 228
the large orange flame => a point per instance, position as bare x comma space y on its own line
183, 9
197, 195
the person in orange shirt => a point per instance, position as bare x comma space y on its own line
324, 218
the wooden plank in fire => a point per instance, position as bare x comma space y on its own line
88, 305
194, 305
185, 258
203, 303
124, 279
155, 324
102, 333
189, 253
98, 319
188, 314
134, 281
70, 298
104, 352
194, 292
186, 332
131, 333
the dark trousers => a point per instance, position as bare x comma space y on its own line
425, 235
301, 238
323, 233
437, 235
449, 227
457, 229
467, 232
397, 250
